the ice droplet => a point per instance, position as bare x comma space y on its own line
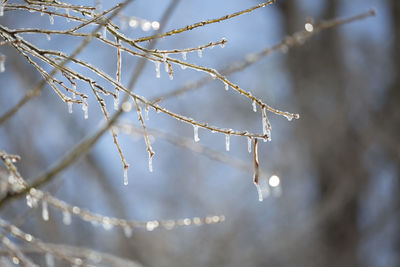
183, 66
125, 175
200, 53
213, 75
45, 211
226, 87
127, 231
223, 42
196, 133
69, 103
227, 141
150, 163
66, 217
106, 223
85, 108
249, 144
51, 18
157, 63
309, 27
48, 37
49, 259
254, 106
116, 100
184, 55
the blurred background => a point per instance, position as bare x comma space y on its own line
338, 164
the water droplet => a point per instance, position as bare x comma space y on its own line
157, 63
66, 217
213, 75
226, 87
116, 100
127, 231
85, 108
125, 175
289, 118
107, 225
249, 144
155, 25
51, 18
196, 133
133, 23
227, 142
150, 163
183, 66
146, 26
309, 27
274, 181
254, 106
151, 225
184, 55
45, 211
200, 53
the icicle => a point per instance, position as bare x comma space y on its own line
164, 57
49, 259
157, 63
226, 87
227, 141
42, 13
200, 53
146, 113
85, 108
69, 103
262, 188
266, 125
166, 68
171, 76
116, 100
1, 9
184, 55
67, 12
105, 32
127, 231
2, 66
125, 175
254, 106
150, 163
51, 17
196, 133
249, 144
45, 211
48, 37
66, 218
